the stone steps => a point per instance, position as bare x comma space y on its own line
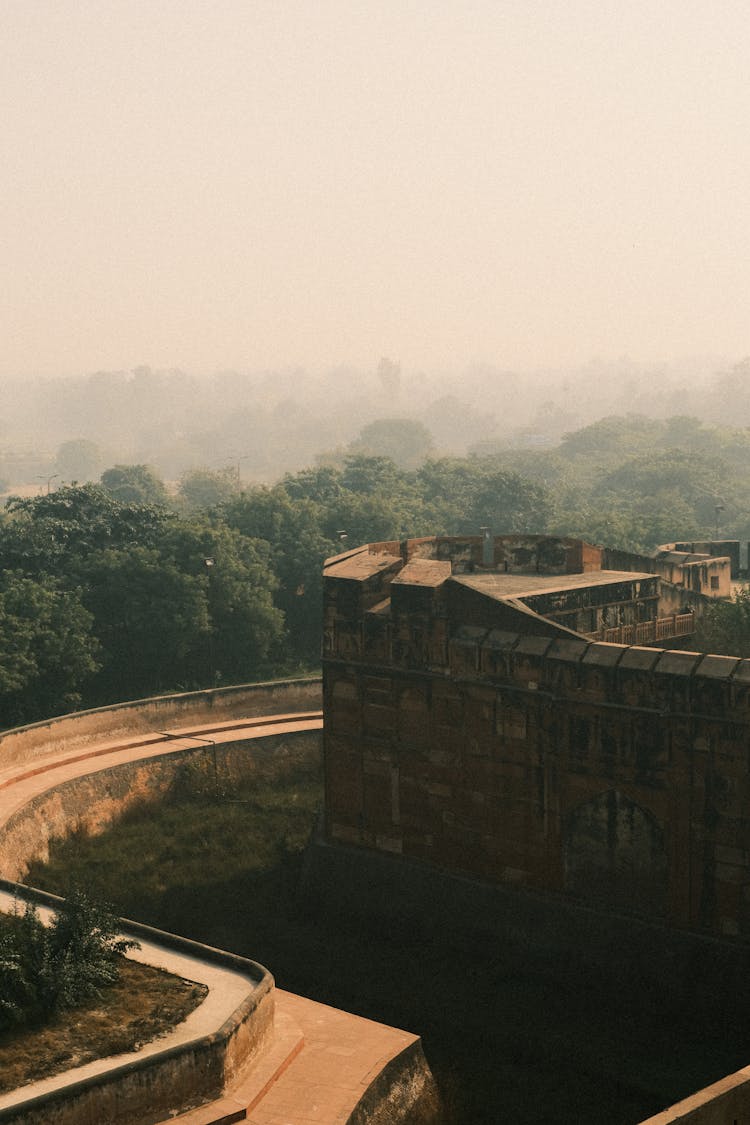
241, 1099
318, 1066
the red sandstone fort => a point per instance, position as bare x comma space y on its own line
522, 708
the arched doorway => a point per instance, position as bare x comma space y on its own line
614, 856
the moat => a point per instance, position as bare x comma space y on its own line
509, 1034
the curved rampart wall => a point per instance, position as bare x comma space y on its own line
145, 716
93, 801
151, 1088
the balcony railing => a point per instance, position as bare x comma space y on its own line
647, 632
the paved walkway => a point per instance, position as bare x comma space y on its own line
342, 1055
19, 784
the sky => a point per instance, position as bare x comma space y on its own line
248, 184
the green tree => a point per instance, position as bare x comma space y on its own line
406, 441
135, 484
47, 650
674, 493
618, 435
46, 969
246, 628
295, 531
370, 472
202, 489
151, 620
56, 533
461, 495
724, 627
78, 461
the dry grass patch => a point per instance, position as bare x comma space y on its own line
144, 1004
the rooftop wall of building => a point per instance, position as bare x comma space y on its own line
543, 554
689, 573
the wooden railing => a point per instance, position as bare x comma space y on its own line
647, 632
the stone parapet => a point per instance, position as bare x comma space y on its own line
142, 716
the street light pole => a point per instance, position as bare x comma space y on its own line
209, 563
48, 480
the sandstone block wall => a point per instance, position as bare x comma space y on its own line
614, 774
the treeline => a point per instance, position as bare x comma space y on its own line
117, 590
265, 423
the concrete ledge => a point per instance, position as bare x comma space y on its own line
726, 1102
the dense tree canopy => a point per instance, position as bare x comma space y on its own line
53, 533
725, 627
405, 441
78, 461
104, 600
201, 489
47, 650
110, 592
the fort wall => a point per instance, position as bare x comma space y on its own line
615, 774
467, 731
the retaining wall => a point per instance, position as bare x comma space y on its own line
93, 801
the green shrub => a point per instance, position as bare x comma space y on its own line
44, 969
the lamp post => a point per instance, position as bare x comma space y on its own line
209, 563
49, 480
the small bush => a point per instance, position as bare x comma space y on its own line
44, 969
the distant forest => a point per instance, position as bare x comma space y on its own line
265, 424
121, 579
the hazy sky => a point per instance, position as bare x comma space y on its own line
235, 183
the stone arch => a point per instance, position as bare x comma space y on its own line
614, 855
